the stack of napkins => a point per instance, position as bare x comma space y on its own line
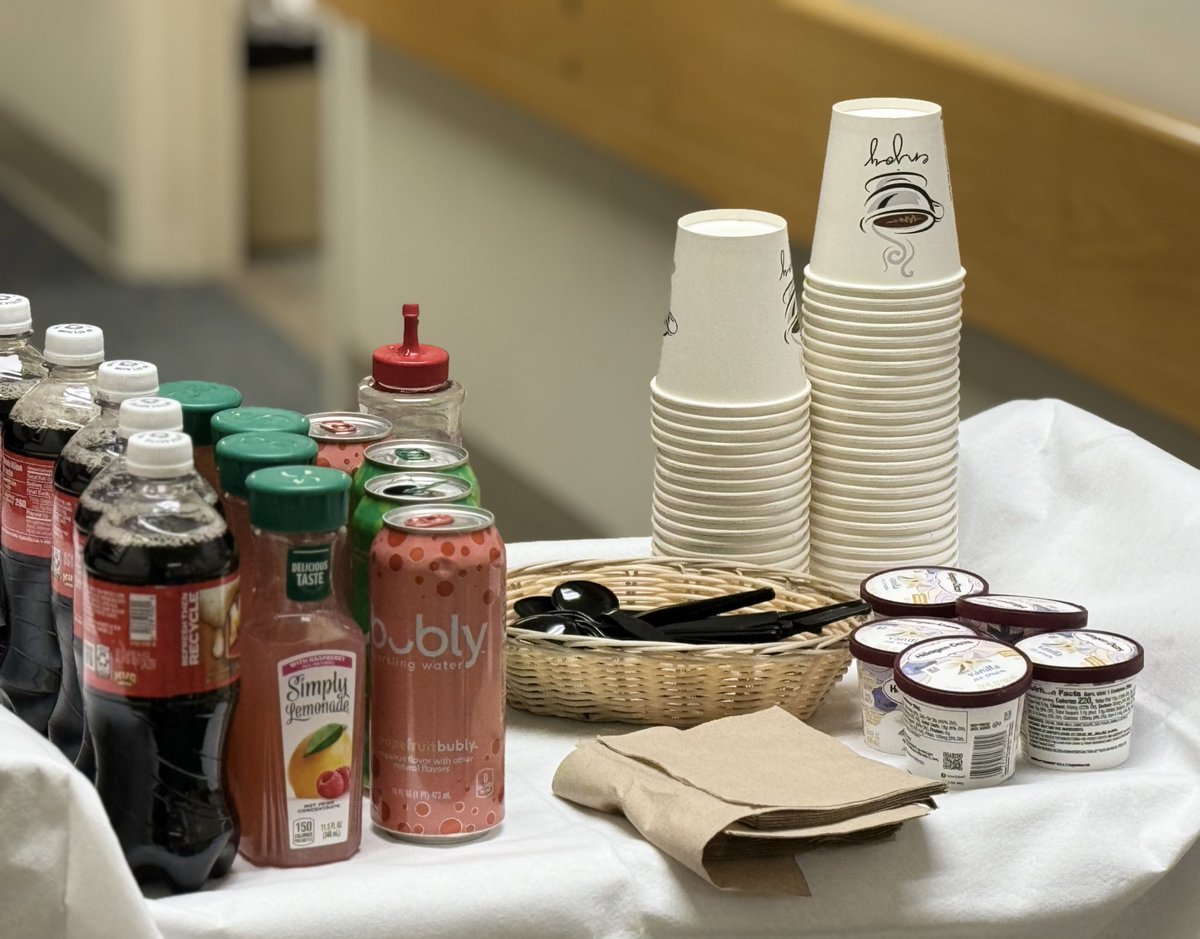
736, 798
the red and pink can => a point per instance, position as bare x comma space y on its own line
343, 436
437, 674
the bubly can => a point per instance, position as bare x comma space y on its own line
343, 436
384, 493
411, 456
437, 664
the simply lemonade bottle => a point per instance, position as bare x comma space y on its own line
295, 748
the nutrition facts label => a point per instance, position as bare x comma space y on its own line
1070, 725
28, 511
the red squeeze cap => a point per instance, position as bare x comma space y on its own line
410, 365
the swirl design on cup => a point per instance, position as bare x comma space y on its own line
898, 204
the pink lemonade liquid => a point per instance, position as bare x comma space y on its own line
437, 659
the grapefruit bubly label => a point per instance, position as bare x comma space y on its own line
316, 713
62, 555
27, 519
160, 642
437, 673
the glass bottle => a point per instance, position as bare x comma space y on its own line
296, 743
239, 455
410, 385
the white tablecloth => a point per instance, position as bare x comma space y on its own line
1055, 502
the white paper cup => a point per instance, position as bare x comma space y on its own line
877, 558
793, 561
788, 418
730, 529
891, 346
849, 446
731, 481
902, 399
841, 329
782, 433
700, 517
854, 310
886, 536
702, 508
886, 212
831, 517
912, 482
897, 291
722, 444
915, 373
731, 333
795, 397
851, 350
783, 460
881, 464
889, 303
715, 495
887, 429
789, 544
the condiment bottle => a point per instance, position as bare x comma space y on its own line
410, 385
200, 400
239, 455
295, 747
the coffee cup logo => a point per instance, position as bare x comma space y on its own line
898, 204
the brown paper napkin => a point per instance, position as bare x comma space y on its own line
734, 799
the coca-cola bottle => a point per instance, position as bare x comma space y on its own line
86, 453
160, 666
21, 367
35, 432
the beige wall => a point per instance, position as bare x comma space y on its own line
59, 73
1146, 51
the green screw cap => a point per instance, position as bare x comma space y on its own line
200, 400
298, 498
258, 420
239, 455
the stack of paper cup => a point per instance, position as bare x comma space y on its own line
881, 312
730, 403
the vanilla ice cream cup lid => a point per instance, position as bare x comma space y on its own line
920, 590
963, 672
1083, 656
880, 641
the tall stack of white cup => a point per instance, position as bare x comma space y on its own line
881, 311
730, 402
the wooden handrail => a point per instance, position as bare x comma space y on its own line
1078, 213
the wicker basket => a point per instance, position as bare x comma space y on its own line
672, 683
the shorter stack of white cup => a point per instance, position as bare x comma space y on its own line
730, 403
881, 312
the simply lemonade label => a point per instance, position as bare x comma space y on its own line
316, 713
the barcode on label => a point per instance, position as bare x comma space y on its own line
142, 619
989, 755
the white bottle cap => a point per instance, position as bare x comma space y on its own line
15, 316
139, 414
119, 379
158, 454
74, 344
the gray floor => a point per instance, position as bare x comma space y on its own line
188, 331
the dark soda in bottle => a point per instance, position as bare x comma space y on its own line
21, 367
160, 667
35, 432
84, 455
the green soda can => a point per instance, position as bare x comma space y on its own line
384, 493
411, 456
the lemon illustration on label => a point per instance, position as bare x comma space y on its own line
319, 756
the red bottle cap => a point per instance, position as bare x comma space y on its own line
409, 366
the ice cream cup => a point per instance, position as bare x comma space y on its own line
1011, 618
1078, 712
875, 646
962, 708
885, 218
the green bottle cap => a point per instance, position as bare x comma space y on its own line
239, 455
200, 400
298, 498
247, 420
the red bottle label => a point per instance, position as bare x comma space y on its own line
27, 519
160, 642
78, 611
62, 556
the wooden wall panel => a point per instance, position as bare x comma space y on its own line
1079, 214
